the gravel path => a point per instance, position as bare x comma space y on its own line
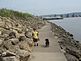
51, 53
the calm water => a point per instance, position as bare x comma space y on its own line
72, 25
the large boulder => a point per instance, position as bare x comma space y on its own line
28, 34
14, 41
71, 57
23, 54
8, 45
8, 56
12, 35
24, 46
22, 38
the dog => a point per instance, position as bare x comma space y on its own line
46, 42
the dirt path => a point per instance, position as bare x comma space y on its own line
51, 53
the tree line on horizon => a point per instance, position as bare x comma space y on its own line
78, 14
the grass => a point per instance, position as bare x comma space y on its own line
11, 13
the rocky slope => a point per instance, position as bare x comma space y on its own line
70, 47
15, 35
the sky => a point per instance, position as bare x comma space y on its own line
42, 7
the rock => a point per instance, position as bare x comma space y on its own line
14, 41
3, 54
19, 30
12, 35
24, 46
79, 59
73, 51
28, 34
8, 53
71, 57
30, 43
17, 34
24, 58
71, 35
0, 32
7, 45
77, 42
10, 58
22, 38
24, 55
1, 41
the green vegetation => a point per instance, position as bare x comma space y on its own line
10, 13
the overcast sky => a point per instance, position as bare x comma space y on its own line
42, 7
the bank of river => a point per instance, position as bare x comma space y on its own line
69, 46
72, 25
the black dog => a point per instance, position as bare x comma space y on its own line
46, 42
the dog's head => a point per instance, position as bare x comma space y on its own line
47, 40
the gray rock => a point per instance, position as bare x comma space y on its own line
28, 34
71, 57
24, 55
7, 45
12, 35
8, 53
14, 41
10, 58
1, 41
24, 46
22, 38
73, 51
30, 43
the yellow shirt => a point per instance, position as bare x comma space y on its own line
35, 34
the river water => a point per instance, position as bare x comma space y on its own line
72, 25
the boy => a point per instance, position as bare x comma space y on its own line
35, 37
